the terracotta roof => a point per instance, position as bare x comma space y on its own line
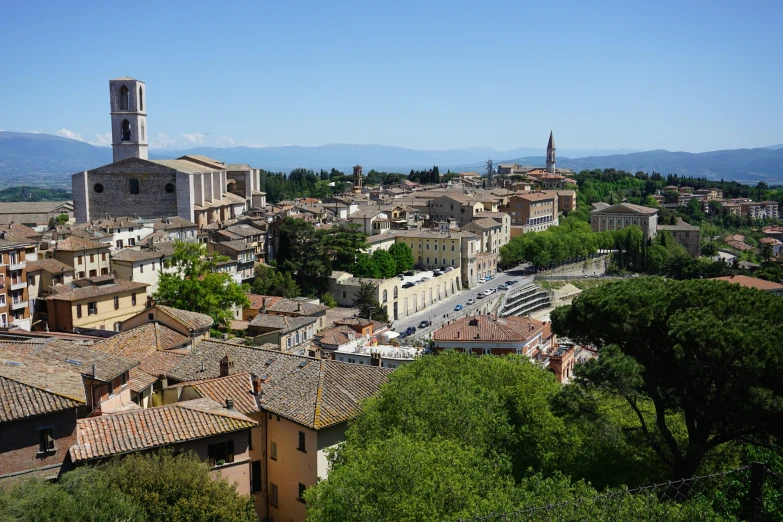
294, 306
238, 387
627, 207
161, 362
485, 223
71, 293
133, 255
144, 429
750, 282
487, 328
354, 321
32, 386
75, 243
50, 265
139, 380
142, 341
257, 301
190, 320
83, 358
281, 322
337, 336
312, 392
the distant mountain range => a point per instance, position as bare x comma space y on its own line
33, 158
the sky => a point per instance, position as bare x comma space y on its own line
687, 75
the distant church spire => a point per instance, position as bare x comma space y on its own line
550, 154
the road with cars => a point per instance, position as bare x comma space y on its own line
443, 311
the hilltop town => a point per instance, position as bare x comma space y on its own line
173, 304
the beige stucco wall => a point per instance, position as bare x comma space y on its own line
292, 467
81, 261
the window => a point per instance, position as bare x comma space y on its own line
98, 188
78, 260
142, 131
124, 379
93, 273
169, 188
301, 446
221, 453
78, 311
141, 100
133, 299
119, 243
133, 185
103, 256
111, 387
92, 308
150, 317
116, 303
255, 476
131, 241
126, 132
273, 494
92, 258
302, 488
117, 327
273, 451
45, 440
141, 266
385, 296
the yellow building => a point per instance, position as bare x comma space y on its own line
88, 259
101, 303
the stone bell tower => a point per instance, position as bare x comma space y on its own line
550, 154
128, 118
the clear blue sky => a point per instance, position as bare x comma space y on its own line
684, 75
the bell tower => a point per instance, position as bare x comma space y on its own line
128, 118
550, 154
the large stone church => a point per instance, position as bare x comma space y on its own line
196, 188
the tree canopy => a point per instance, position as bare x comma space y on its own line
192, 283
366, 301
270, 281
137, 488
707, 349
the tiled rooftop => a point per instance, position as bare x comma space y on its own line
142, 341
238, 387
70, 292
144, 429
314, 393
191, 320
487, 328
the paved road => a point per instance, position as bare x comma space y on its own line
437, 314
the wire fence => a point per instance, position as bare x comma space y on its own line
753, 493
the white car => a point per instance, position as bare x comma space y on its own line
487, 292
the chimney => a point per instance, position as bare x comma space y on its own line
256, 384
93, 369
225, 366
230, 404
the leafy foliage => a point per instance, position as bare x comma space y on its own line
136, 488
708, 349
403, 256
270, 281
366, 301
194, 284
27, 193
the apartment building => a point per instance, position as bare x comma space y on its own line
688, 236
14, 291
100, 303
88, 258
533, 212
761, 209
488, 335
489, 232
462, 208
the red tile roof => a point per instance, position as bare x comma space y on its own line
487, 328
238, 387
144, 429
75, 243
750, 282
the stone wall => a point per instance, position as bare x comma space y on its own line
591, 267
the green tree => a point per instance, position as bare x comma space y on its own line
708, 248
403, 257
195, 285
705, 349
341, 243
366, 301
365, 266
303, 254
766, 251
60, 219
269, 281
386, 264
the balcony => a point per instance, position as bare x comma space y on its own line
18, 285
18, 305
19, 265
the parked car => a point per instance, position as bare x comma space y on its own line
409, 273
510, 282
458, 308
490, 277
408, 285
437, 273
481, 296
487, 292
471, 301
502, 287
449, 269
410, 330
401, 276
425, 278
424, 324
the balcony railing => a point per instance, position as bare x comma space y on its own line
19, 265
16, 305
18, 285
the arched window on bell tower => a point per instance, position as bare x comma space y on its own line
142, 131
123, 98
141, 99
126, 132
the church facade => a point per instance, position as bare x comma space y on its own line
196, 188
